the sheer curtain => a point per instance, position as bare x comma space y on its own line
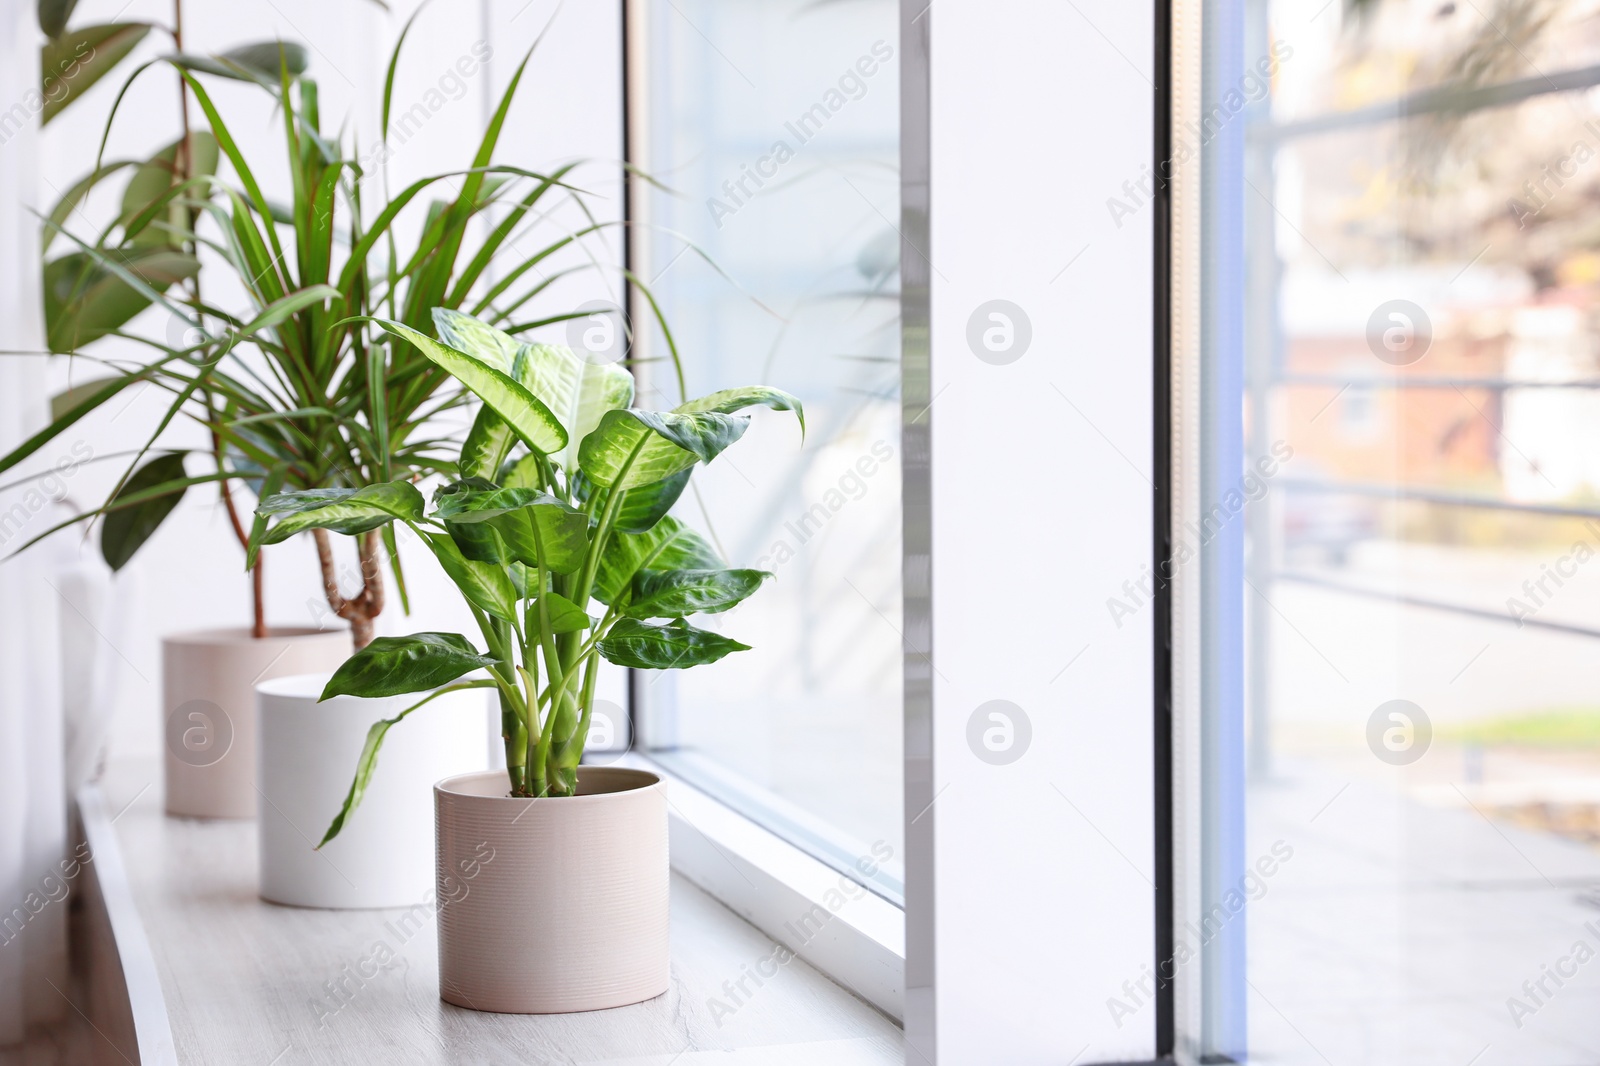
32, 789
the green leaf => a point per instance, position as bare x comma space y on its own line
577, 391
392, 666
533, 421
676, 593
155, 178
648, 504
631, 448
270, 57
487, 444
53, 15
565, 616
516, 515
669, 545
78, 410
676, 646
266, 487
522, 473
478, 500
74, 196
478, 542
348, 511
490, 439
367, 762
730, 400
125, 530
485, 585
260, 62
84, 299
62, 402
70, 63
477, 338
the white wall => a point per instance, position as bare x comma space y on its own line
1041, 508
191, 574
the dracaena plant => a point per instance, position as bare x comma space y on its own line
292, 392
555, 530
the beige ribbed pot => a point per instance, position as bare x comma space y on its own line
552, 905
208, 710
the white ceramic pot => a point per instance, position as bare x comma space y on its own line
383, 856
552, 905
208, 681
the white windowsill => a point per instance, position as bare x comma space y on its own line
849, 933
235, 977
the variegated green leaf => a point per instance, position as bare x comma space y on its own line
677, 593
669, 545
632, 448
349, 511
578, 391
525, 412
677, 646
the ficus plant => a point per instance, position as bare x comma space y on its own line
292, 392
554, 527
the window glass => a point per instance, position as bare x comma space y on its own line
1403, 354
773, 129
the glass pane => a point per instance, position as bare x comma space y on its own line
1402, 357
775, 126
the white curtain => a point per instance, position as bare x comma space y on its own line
32, 790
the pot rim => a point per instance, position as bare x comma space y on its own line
647, 780
231, 635
308, 685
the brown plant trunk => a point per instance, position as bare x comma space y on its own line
363, 608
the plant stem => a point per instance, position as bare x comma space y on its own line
361, 609
184, 156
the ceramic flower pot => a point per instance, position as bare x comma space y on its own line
208, 681
383, 855
552, 905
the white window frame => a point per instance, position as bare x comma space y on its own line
1022, 913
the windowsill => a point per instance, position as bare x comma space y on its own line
875, 866
238, 979
828, 919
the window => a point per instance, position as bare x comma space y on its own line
1402, 777
771, 245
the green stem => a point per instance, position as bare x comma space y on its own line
513, 711
580, 736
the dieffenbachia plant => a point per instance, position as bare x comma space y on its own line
555, 530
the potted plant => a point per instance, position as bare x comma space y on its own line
555, 530
292, 394
306, 747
